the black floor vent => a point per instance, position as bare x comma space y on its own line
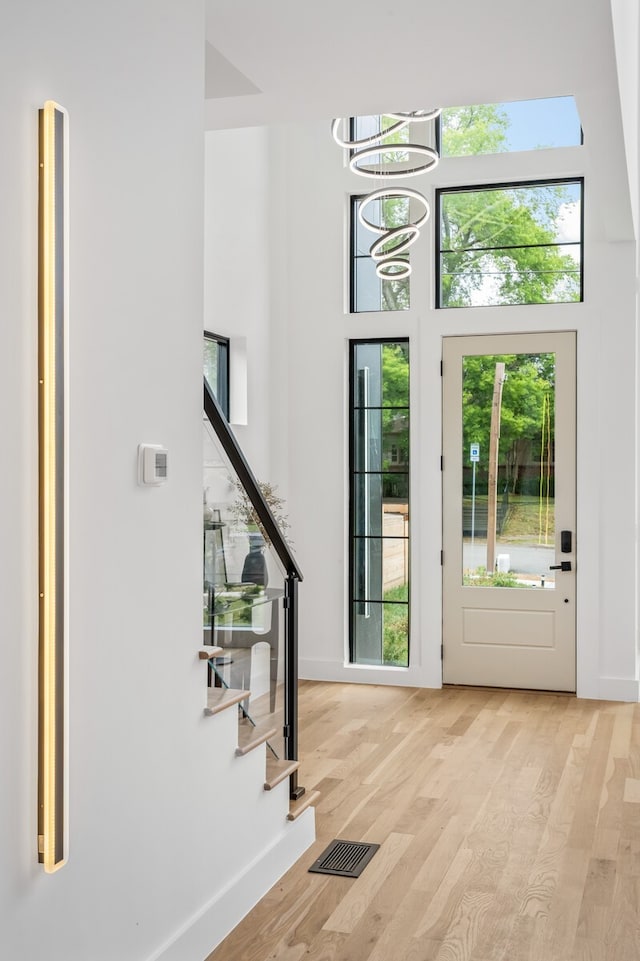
348, 859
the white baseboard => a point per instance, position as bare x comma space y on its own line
311, 669
211, 924
618, 689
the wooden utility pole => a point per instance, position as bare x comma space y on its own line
494, 441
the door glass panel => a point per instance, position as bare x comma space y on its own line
508, 461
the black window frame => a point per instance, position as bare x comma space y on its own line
352, 599
354, 200
222, 396
505, 185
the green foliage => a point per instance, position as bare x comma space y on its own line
395, 641
398, 136
522, 223
395, 213
527, 395
499, 246
395, 375
396, 594
468, 131
395, 294
480, 578
395, 394
524, 265
527, 520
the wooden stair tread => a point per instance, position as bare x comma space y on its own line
208, 652
297, 807
277, 771
220, 698
251, 736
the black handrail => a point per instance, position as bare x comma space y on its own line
293, 575
250, 484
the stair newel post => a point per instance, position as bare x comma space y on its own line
291, 685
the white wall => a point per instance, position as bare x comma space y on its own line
626, 28
155, 828
311, 189
236, 299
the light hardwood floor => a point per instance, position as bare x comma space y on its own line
509, 825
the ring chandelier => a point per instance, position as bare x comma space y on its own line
389, 264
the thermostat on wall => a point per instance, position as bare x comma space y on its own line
152, 464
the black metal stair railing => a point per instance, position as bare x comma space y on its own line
293, 574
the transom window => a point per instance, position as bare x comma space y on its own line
510, 244
499, 127
367, 126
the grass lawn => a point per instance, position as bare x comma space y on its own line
528, 521
395, 640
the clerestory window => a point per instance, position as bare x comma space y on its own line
507, 127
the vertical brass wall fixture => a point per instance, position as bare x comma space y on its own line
52, 399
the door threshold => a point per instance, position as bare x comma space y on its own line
508, 690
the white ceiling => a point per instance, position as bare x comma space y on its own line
344, 57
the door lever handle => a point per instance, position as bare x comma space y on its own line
563, 566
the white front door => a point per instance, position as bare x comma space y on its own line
509, 419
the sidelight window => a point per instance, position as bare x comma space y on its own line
379, 503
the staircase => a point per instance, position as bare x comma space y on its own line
259, 821
252, 736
